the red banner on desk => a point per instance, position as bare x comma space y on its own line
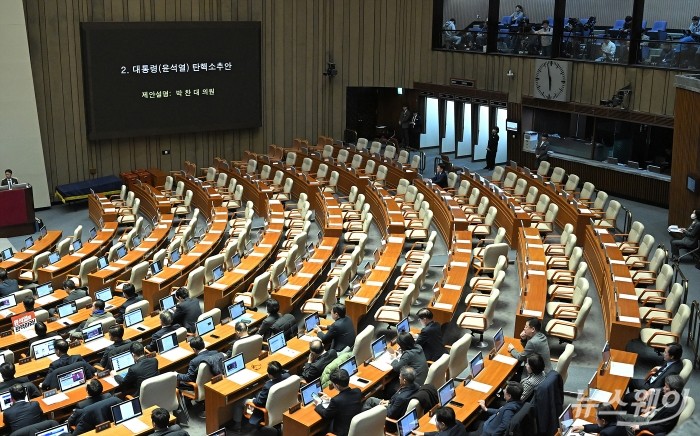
23, 321
14, 207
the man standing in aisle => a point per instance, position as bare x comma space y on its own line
491, 149
405, 123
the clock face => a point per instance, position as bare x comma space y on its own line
552, 80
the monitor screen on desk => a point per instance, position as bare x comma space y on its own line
217, 273
606, 353
167, 303
378, 347
7, 302
122, 361
43, 348
54, 257
93, 332
233, 364
190, 244
403, 326
498, 340
43, 231
174, 257
133, 317
236, 260
408, 423
566, 420
77, 245
93, 233
121, 252
54, 431
277, 342
156, 267
167, 343
7, 254
236, 310
136, 241
67, 309
205, 326
5, 400
71, 379
310, 391
476, 364
28, 242
311, 321
350, 366
446, 393
44, 289
128, 409
102, 262
104, 294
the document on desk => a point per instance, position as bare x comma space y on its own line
244, 376
46, 299
99, 344
288, 352
111, 380
56, 398
478, 386
175, 354
622, 369
600, 395
308, 338
508, 360
135, 425
381, 365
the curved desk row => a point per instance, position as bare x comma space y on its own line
24, 259
533, 277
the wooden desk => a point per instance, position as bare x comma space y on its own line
7, 314
24, 259
585, 408
395, 173
121, 430
153, 202
447, 215
219, 397
494, 374
101, 209
533, 278
613, 281
69, 264
120, 269
453, 285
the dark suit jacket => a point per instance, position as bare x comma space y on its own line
665, 418
75, 294
266, 325
658, 383
399, 401
173, 430
203, 356
4, 181
440, 179
51, 379
80, 407
22, 414
608, 430
260, 399
146, 367
32, 390
113, 350
65, 360
340, 334
430, 338
120, 312
8, 286
312, 371
415, 358
94, 414
341, 409
152, 346
456, 430
498, 422
186, 313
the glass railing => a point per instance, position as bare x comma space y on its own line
595, 48
464, 40
670, 54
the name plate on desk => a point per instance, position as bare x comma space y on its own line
313, 260
623, 279
157, 279
460, 264
534, 272
535, 313
305, 275
535, 246
536, 263
628, 297
256, 254
453, 287
360, 300
241, 271
374, 283
532, 237
444, 306
382, 268
617, 262
629, 319
395, 240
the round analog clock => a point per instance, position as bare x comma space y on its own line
552, 79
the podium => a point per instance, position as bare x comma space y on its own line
18, 211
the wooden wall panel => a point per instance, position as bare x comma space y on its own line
686, 155
373, 43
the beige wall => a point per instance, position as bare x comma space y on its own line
20, 141
373, 43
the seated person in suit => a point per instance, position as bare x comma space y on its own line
143, 368
273, 308
7, 371
28, 303
446, 423
131, 298
98, 313
161, 424
318, 359
606, 423
116, 335
340, 334
498, 420
430, 337
74, 293
8, 180
396, 405
343, 407
211, 357
275, 374
642, 389
690, 235
95, 395
534, 341
21, 413
41, 333
440, 177
410, 354
187, 310
61, 347
7, 285
166, 327
534, 374
661, 419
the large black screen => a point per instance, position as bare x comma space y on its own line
170, 77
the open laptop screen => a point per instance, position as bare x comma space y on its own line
476, 364
277, 342
217, 273
350, 366
54, 257
167, 302
93, 332
122, 361
102, 262
311, 321
566, 420
133, 317
234, 364
236, 310
104, 294
5, 400
77, 245
93, 233
174, 257
156, 267
498, 340
403, 326
28, 242
7, 253
167, 343
309, 391
53, 431
378, 347
71, 379
121, 252
408, 423
7, 302
44, 348
67, 309
446, 393
205, 326
44, 289
128, 409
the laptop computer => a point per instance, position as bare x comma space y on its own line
403, 326
310, 392
606, 354
311, 321
54, 257
121, 362
7, 302
5, 400
92, 332
77, 245
205, 326
54, 431
167, 303
217, 273
104, 294
67, 309
237, 313
476, 364
42, 231
174, 257
136, 241
167, 343
235, 370
132, 318
156, 267
408, 423
43, 348
44, 289
121, 251
7, 254
498, 340
126, 410
378, 347
102, 262
71, 379
93, 234
566, 421
350, 366
277, 342
446, 393
235, 260
28, 242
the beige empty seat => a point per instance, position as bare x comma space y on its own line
658, 338
480, 322
568, 331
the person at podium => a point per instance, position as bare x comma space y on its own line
8, 180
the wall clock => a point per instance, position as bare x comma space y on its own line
552, 79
